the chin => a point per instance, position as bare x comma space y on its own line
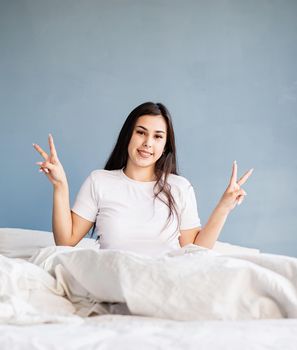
144, 164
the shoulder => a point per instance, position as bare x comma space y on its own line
179, 184
181, 188
179, 181
100, 175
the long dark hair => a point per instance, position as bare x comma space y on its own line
165, 165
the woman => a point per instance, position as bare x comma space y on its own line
138, 201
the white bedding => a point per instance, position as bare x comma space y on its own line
59, 284
23, 243
110, 332
192, 296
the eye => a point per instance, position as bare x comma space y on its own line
140, 132
159, 137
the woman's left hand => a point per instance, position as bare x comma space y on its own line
234, 195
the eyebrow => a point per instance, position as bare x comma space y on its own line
158, 131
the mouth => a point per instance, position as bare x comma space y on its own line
144, 154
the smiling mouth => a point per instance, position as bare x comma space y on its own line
144, 154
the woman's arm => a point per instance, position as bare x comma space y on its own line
209, 234
233, 196
68, 228
61, 218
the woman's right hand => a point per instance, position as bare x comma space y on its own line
51, 166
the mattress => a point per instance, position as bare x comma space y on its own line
134, 332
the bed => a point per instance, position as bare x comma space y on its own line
50, 298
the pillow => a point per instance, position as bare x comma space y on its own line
22, 243
227, 248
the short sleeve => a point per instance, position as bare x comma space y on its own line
189, 213
85, 204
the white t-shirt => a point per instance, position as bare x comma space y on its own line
123, 209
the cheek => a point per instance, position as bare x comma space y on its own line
160, 148
133, 143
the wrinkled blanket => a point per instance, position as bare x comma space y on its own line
64, 283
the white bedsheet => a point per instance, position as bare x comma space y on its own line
64, 284
110, 332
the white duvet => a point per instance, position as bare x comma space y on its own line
61, 284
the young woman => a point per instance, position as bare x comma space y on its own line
138, 202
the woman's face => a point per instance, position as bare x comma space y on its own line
148, 140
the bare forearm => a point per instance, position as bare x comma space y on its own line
61, 218
209, 234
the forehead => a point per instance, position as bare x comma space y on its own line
152, 122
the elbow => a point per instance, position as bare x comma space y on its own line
202, 241
204, 244
65, 243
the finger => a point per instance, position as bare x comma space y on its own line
244, 178
48, 165
43, 170
240, 192
240, 200
234, 173
52, 146
240, 196
40, 151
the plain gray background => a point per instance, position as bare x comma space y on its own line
226, 70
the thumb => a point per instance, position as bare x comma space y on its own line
240, 195
48, 165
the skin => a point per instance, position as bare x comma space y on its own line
208, 235
51, 166
234, 194
142, 169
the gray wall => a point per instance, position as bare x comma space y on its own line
225, 69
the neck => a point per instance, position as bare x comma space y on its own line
140, 173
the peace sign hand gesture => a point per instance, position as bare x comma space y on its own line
51, 167
234, 195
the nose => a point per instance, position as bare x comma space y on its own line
147, 143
